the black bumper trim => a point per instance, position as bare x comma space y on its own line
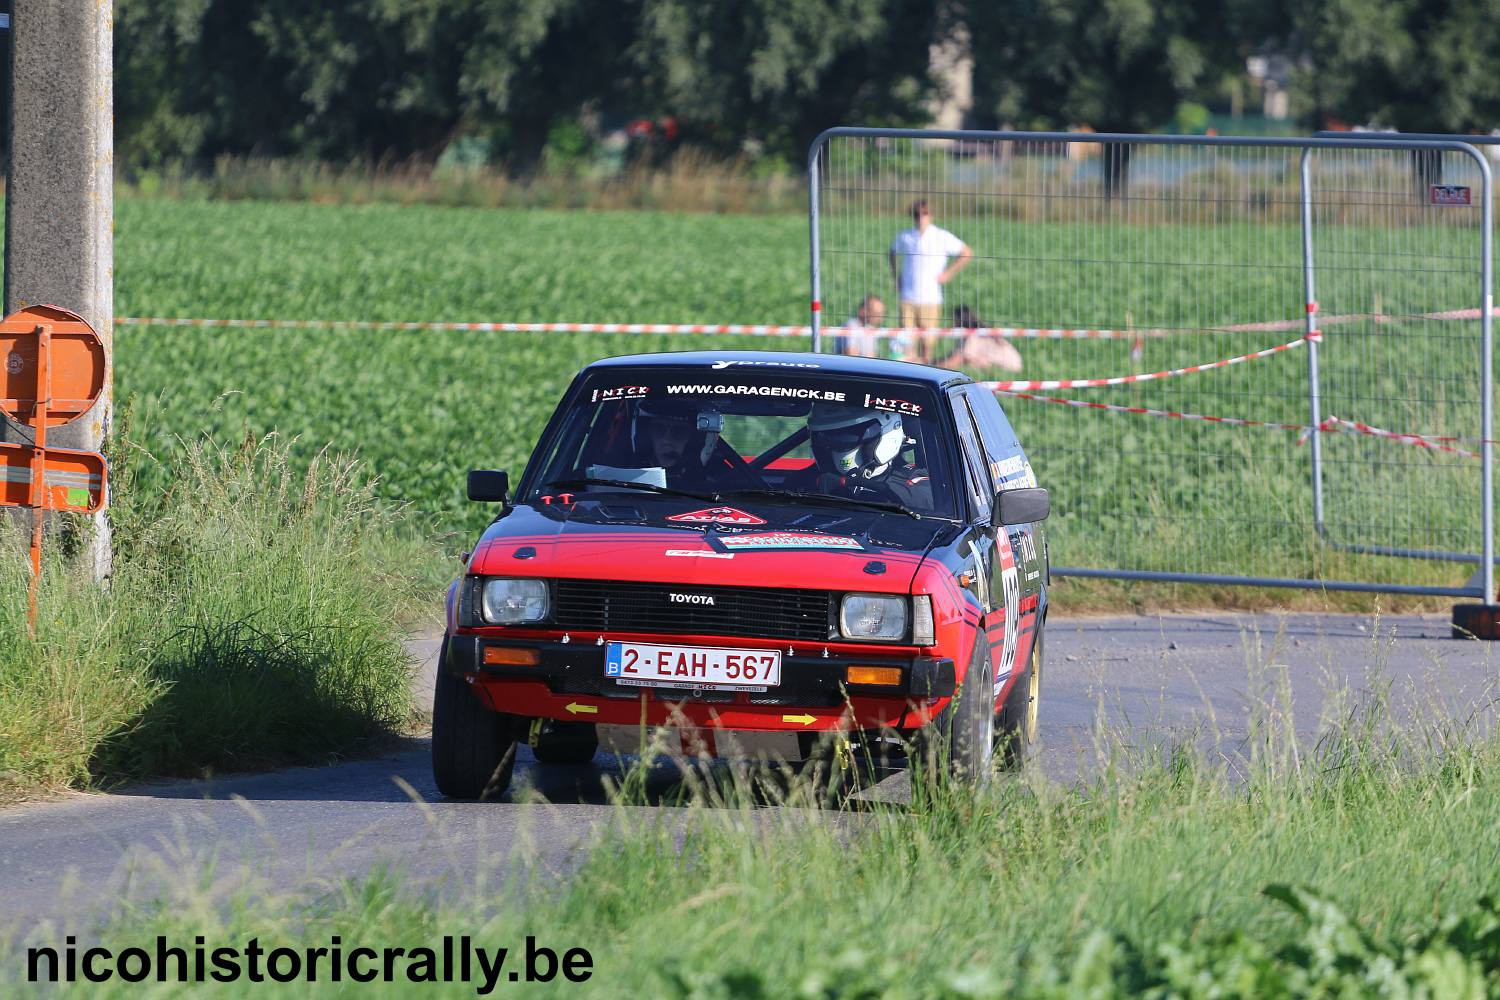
578, 668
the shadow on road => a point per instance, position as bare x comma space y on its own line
404, 775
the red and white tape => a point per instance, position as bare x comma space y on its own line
1330, 424
1095, 383
1014, 388
769, 330
740, 329
1419, 440
1148, 412
731, 329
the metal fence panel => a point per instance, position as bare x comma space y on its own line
1176, 391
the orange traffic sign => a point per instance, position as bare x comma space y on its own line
72, 480
75, 363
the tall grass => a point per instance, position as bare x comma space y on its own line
1365, 864
689, 182
252, 618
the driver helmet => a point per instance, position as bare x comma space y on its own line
855, 440
700, 420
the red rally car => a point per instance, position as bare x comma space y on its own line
751, 541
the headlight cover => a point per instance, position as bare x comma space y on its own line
508, 601
873, 617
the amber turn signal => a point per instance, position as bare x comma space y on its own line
874, 675
509, 656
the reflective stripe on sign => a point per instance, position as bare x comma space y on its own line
12, 474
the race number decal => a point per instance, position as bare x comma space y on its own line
1010, 583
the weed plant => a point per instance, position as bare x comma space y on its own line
252, 618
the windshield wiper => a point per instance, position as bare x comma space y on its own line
626, 484
828, 499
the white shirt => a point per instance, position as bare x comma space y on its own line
925, 256
860, 342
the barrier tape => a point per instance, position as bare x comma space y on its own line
1147, 411
1330, 424
732, 329
739, 329
767, 330
1094, 383
1010, 388
1420, 440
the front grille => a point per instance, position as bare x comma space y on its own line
612, 606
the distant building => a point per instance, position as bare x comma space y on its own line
953, 66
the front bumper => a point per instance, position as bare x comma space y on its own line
569, 683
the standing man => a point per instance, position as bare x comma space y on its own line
857, 339
923, 270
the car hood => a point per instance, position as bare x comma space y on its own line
661, 540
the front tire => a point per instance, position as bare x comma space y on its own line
473, 748
1016, 724
960, 742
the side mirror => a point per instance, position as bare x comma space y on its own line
488, 485
1022, 506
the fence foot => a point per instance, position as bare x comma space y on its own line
1476, 621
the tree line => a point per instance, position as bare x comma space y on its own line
350, 80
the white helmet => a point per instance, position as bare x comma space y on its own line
855, 440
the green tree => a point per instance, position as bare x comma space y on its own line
778, 72
1114, 65
189, 82
358, 79
1412, 65
371, 79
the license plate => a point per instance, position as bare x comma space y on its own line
638, 664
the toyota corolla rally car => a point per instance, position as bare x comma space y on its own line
793, 543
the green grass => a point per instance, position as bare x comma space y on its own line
251, 619
421, 408
1360, 867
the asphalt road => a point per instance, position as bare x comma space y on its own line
1214, 679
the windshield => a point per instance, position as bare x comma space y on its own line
768, 434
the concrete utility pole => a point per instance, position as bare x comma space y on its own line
59, 194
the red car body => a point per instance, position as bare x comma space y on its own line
765, 575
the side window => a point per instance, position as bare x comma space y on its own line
1007, 462
975, 473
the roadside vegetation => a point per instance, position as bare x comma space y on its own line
687, 182
1242, 866
252, 619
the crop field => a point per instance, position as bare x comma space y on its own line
421, 408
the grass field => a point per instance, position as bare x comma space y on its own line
1366, 867
421, 408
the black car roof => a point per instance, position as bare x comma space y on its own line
836, 364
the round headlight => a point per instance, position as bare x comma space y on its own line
511, 602
873, 617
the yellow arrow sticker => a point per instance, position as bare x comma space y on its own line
575, 708
806, 720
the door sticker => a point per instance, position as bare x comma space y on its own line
1010, 582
